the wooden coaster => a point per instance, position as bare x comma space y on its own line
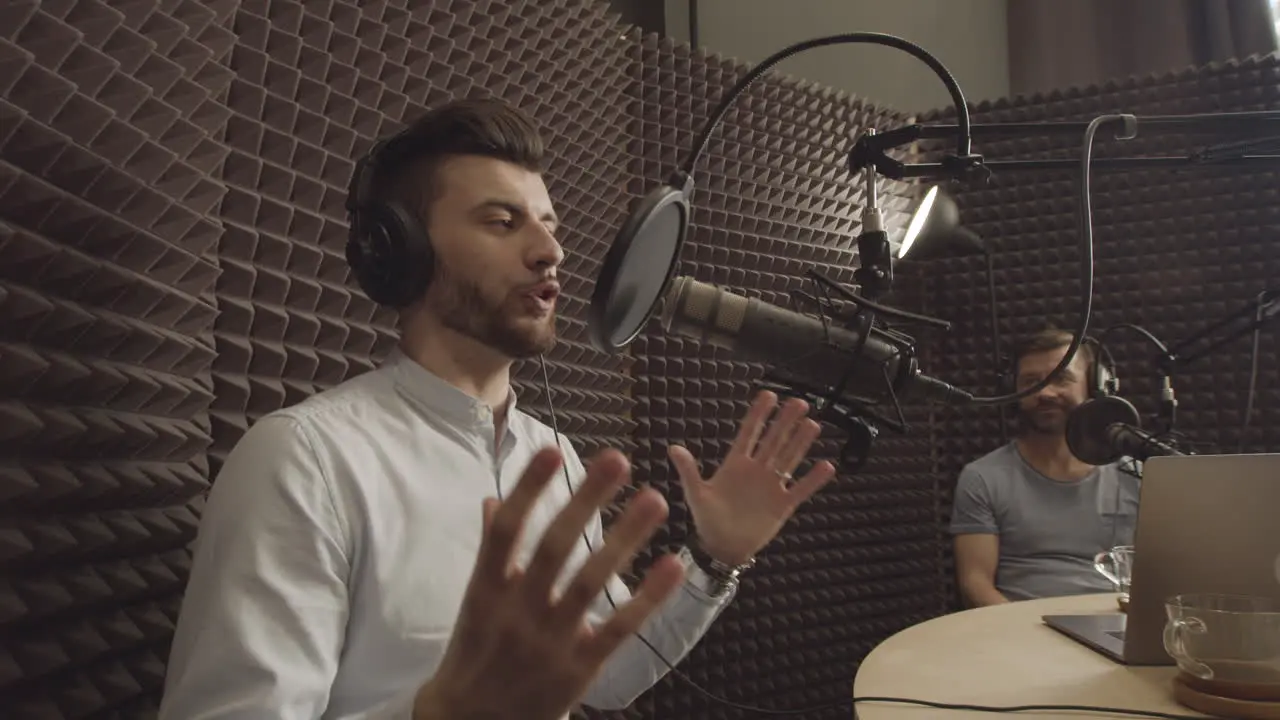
1222, 706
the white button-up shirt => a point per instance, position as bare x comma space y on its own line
337, 542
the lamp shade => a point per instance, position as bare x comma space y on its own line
935, 230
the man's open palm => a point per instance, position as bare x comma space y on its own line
517, 649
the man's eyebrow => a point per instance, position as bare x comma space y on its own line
516, 209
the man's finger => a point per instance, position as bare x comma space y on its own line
753, 424
663, 578
780, 430
628, 534
813, 481
797, 446
507, 523
606, 475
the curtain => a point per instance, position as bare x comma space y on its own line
1055, 44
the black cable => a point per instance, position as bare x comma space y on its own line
693, 24
1099, 710
953, 88
1253, 374
996, 357
1160, 346
1167, 401
1086, 257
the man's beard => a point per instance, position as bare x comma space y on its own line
1035, 422
462, 307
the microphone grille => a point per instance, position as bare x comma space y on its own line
714, 309
704, 312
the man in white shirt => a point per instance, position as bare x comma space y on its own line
402, 546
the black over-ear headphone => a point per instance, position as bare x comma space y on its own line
1101, 379
387, 245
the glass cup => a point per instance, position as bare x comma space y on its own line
1116, 565
1226, 645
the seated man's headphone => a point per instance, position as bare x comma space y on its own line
1101, 379
388, 249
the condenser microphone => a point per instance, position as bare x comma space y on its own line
1106, 429
868, 368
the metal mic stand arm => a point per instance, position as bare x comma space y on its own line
1263, 309
860, 425
864, 304
1238, 149
871, 150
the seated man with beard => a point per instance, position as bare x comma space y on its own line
1029, 518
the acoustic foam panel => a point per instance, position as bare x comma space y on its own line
773, 199
314, 85
1175, 251
172, 185
201, 151
110, 122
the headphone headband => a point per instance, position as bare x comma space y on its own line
1100, 376
364, 176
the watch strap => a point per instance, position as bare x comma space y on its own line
708, 574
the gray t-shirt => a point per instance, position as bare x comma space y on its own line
1049, 530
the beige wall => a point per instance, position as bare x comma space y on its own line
968, 36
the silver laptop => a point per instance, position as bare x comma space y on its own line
1206, 523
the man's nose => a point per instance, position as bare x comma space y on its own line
1049, 392
546, 250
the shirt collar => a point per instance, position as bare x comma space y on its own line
433, 393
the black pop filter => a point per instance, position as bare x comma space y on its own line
641, 262
639, 266
1088, 428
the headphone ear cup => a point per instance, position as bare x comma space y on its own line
1102, 379
1107, 384
390, 255
417, 257
1008, 375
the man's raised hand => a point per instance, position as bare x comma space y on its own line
518, 649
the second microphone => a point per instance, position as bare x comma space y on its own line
806, 351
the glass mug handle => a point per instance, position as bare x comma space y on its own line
1100, 562
1175, 643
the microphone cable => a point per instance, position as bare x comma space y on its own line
1168, 403
852, 702
1259, 317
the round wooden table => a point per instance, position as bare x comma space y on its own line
1005, 655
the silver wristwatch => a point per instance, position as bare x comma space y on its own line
712, 577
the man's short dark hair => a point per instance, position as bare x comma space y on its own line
489, 127
1048, 338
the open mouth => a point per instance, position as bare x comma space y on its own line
544, 295
547, 292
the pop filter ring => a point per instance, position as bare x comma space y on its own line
603, 316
